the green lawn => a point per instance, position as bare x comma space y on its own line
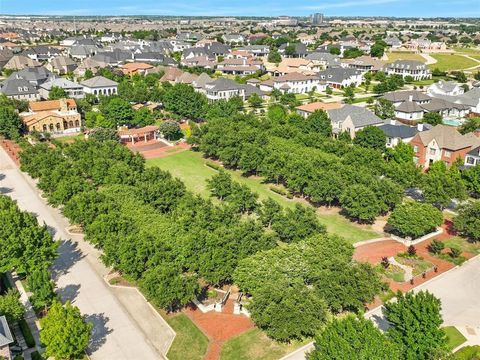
463, 244
255, 345
190, 167
455, 337
70, 138
467, 51
189, 343
447, 62
393, 56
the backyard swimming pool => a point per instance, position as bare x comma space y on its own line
453, 122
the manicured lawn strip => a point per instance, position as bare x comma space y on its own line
255, 345
452, 62
395, 273
463, 244
189, 343
70, 138
189, 166
455, 337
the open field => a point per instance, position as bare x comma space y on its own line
255, 345
393, 56
467, 51
190, 167
189, 342
455, 337
447, 62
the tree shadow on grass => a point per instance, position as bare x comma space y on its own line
99, 332
68, 255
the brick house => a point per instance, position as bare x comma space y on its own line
441, 143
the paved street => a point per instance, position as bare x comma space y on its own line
79, 273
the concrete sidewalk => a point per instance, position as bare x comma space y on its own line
78, 274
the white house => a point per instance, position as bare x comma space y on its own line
99, 85
443, 87
72, 89
338, 78
415, 69
296, 83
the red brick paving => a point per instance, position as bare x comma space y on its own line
12, 149
374, 252
219, 327
155, 149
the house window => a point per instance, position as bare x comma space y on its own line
470, 160
432, 151
447, 153
415, 149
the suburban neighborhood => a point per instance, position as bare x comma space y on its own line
199, 185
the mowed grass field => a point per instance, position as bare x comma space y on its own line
189, 342
393, 56
255, 345
448, 62
190, 167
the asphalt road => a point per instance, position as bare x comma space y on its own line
79, 273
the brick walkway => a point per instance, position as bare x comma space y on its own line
219, 327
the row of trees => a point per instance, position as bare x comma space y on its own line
299, 153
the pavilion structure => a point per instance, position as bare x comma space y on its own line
134, 135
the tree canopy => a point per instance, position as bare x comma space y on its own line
415, 219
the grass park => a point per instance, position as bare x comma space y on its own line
393, 56
449, 62
190, 167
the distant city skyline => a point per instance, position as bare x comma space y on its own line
397, 8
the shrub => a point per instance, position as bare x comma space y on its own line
27, 334
412, 251
385, 262
436, 247
213, 165
455, 252
278, 190
36, 356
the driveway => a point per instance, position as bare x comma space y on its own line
79, 273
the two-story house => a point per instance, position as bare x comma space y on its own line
416, 69
442, 143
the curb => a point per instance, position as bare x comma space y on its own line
151, 306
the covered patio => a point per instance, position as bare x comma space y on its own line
145, 133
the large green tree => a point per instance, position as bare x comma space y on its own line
354, 338
65, 332
10, 123
57, 92
415, 219
183, 100
415, 324
10, 306
361, 203
117, 111
467, 222
371, 137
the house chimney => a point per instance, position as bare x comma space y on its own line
410, 97
63, 105
420, 126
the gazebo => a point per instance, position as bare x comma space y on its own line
132, 135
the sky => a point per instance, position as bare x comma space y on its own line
398, 8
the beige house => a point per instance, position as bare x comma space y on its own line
53, 116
